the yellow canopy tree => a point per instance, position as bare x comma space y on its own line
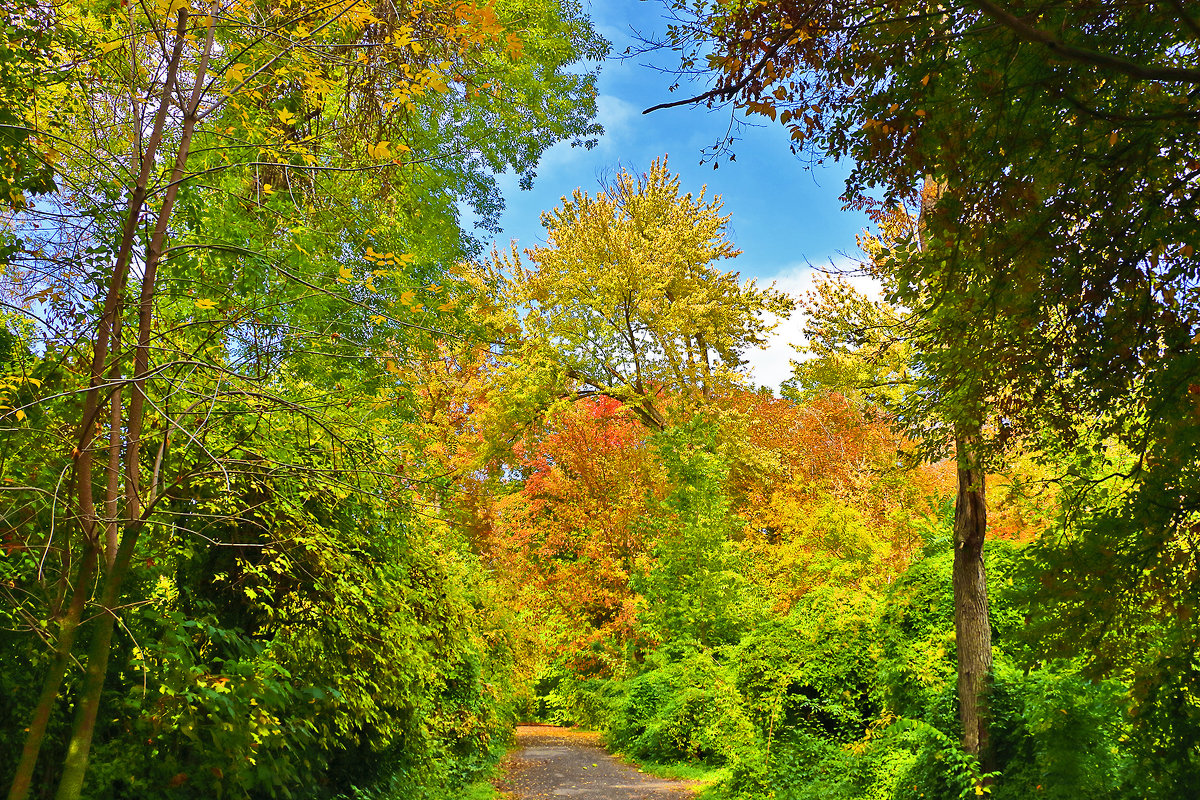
626, 300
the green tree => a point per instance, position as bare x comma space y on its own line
280, 257
692, 590
29, 61
1056, 270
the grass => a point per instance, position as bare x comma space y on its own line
480, 790
709, 777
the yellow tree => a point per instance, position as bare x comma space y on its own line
626, 300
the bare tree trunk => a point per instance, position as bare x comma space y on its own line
972, 628
69, 626
75, 767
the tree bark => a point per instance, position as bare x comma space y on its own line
70, 785
107, 324
972, 627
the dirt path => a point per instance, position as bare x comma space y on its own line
551, 762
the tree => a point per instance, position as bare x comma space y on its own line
573, 534
277, 256
625, 299
881, 355
28, 61
844, 501
1062, 141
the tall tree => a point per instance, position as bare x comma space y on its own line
295, 239
626, 300
1063, 136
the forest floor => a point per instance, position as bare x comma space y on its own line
550, 762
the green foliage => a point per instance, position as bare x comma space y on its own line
852, 695
1060, 734
856, 347
1115, 600
260, 221
813, 669
562, 697
327, 648
694, 590
684, 707
30, 60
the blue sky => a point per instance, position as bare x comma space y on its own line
783, 216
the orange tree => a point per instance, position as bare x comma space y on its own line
843, 502
573, 534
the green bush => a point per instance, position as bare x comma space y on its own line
812, 669
684, 709
561, 697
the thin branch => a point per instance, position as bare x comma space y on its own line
1028, 33
726, 92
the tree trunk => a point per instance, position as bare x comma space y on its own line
108, 322
972, 628
35, 734
70, 785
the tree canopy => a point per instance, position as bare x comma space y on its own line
627, 299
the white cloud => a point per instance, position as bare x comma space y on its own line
772, 366
615, 115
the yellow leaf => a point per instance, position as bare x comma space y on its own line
407, 298
344, 275
20, 415
206, 305
286, 117
235, 74
1113, 138
380, 152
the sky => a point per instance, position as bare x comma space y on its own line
785, 216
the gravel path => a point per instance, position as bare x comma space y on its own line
552, 762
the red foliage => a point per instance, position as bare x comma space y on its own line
568, 539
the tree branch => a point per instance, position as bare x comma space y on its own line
1028, 33
725, 92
